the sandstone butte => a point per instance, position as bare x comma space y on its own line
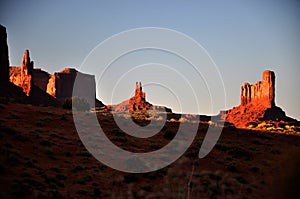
30, 85
257, 104
137, 103
56, 87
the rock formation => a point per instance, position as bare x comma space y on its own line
4, 62
23, 77
41, 78
257, 104
61, 84
7, 89
54, 89
137, 103
262, 92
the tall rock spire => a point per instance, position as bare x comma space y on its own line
4, 62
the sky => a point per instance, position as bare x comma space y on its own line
242, 38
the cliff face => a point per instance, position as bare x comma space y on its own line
54, 89
4, 62
41, 78
7, 89
61, 84
257, 103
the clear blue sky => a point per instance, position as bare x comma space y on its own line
243, 38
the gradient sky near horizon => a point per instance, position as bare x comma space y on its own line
244, 38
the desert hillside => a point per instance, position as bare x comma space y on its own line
43, 157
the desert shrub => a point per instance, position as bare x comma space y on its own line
25, 174
83, 154
4, 100
182, 119
54, 194
79, 104
13, 159
61, 176
221, 147
118, 138
2, 169
147, 188
45, 143
39, 123
237, 152
232, 166
20, 190
129, 178
292, 128
8, 130
169, 135
255, 169
241, 179
22, 138
52, 182
271, 128
77, 168
82, 180
82, 192
97, 192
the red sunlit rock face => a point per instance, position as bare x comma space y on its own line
137, 102
60, 86
23, 77
257, 104
262, 92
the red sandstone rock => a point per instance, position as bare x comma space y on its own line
4, 62
60, 86
41, 78
137, 102
262, 92
257, 104
23, 77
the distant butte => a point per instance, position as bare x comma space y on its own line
257, 104
137, 103
47, 89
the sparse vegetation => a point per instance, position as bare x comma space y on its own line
232, 166
79, 104
51, 162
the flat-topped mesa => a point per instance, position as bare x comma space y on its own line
262, 92
61, 85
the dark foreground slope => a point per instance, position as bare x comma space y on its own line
41, 156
